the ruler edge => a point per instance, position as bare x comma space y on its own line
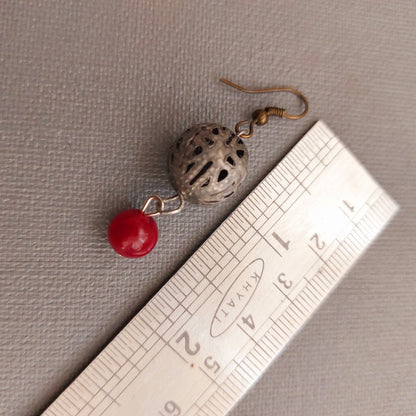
395, 209
321, 123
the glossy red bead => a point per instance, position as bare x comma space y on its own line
132, 233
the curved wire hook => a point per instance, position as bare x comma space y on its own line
261, 117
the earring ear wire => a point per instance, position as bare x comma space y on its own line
261, 117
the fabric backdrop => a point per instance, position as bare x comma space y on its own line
93, 93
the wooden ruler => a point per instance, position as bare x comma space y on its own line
219, 322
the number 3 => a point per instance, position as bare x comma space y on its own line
286, 283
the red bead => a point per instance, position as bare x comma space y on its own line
132, 233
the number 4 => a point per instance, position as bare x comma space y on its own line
249, 321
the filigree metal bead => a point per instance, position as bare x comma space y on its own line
207, 163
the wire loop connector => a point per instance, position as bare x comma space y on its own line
160, 208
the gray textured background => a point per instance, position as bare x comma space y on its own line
93, 93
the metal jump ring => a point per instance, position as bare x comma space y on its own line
160, 205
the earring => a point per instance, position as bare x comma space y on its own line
206, 166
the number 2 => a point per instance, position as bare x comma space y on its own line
319, 244
188, 349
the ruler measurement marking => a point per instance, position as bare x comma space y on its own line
61, 407
277, 340
306, 300
323, 276
204, 257
193, 267
317, 286
307, 153
356, 242
71, 399
268, 350
155, 304
331, 266
358, 239
302, 306
85, 389
140, 370
223, 391
217, 405
252, 365
321, 284
284, 211
337, 262
177, 290
298, 159
347, 251
233, 380
228, 385
131, 337
284, 319
273, 346
168, 299
135, 333
239, 382
353, 245
260, 196
102, 366
377, 217
281, 177
245, 372
309, 294
309, 288
282, 331
293, 315
285, 171
256, 358
258, 346
184, 286
343, 256
286, 295
213, 250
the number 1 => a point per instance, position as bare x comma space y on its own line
285, 244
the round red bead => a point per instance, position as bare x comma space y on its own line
132, 233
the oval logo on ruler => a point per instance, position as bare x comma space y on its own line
237, 297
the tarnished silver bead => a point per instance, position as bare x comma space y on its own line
207, 163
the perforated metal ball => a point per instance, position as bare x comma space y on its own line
207, 163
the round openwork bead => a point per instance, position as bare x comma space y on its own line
207, 163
